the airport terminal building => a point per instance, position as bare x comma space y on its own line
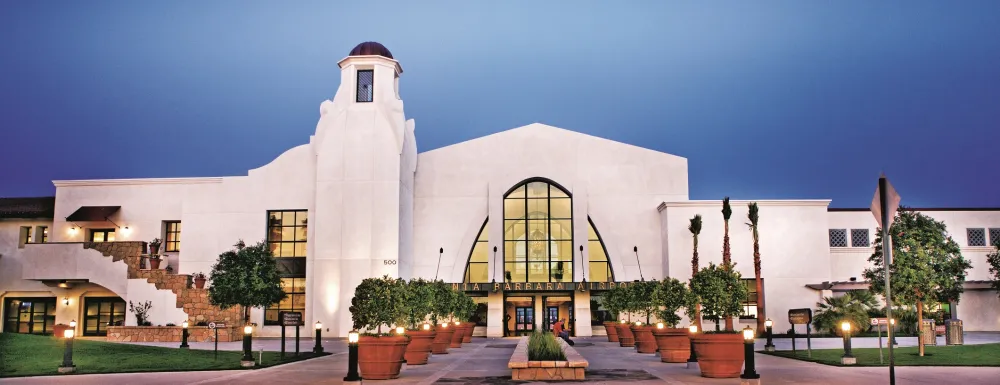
553, 216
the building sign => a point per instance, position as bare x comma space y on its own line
290, 318
800, 316
538, 286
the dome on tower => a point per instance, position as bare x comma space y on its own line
370, 48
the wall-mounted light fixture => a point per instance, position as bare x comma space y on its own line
66, 301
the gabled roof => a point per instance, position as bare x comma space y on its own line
27, 208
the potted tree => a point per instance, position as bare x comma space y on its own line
624, 303
441, 311
672, 342
154, 261
468, 311
154, 246
643, 293
199, 280
457, 317
421, 302
611, 325
380, 302
720, 291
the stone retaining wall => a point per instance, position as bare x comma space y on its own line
574, 368
171, 334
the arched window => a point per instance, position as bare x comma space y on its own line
538, 233
477, 269
598, 268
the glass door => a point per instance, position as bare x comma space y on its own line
29, 315
101, 313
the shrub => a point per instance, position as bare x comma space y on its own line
379, 302
544, 347
670, 296
720, 291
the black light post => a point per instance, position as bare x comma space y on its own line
769, 347
184, 335
319, 338
352, 357
67, 364
749, 371
247, 360
693, 359
847, 358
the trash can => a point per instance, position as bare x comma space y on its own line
953, 332
927, 334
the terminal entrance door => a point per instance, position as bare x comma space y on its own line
558, 307
519, 316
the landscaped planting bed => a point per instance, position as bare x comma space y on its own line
548, 358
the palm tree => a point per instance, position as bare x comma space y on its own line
695, 229
853, 307
727, 212
752, 215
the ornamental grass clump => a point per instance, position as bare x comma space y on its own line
544, 347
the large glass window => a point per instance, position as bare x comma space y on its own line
286, 232
172, 236
750, 305
101, 313
477, 270
538, 234
295, 300
45, 234
29, 315
598, 268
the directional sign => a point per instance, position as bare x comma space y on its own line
800, 316
290, 318
213, 325
874, 321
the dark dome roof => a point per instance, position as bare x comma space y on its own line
370, 48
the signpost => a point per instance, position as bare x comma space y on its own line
290, 318
877, 322
799, 317
215, 326
884, 205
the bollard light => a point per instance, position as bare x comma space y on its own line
749, 372
184, 335
400, 330
67, 364
457, 323
847, 358
767, 325
692, 330
659, 325
72, 324
638, 323
427, 326
319, 338
444, 324
247, 359
352, 357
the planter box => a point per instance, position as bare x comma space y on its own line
573, 368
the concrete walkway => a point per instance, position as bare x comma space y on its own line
484, 361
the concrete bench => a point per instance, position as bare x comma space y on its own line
573, 368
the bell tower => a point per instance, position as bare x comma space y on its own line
365, 163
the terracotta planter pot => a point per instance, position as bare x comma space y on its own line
154, 249
456, 338
625, 337
720, 355
467, 338
644, 341
199, 283
154, 264
419, 347
442, 339
612, 331
380, 358
673, 344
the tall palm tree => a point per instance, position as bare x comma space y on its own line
752, 215
727, 212
695, 229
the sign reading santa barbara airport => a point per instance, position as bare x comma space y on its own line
800, 316
538, 286
290, 318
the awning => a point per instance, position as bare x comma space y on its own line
92, 213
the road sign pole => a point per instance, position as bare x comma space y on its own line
216, 343
282, 341
883, 186
297, 340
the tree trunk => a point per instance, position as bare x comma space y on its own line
920, 327
246, 315
694, 270
761, 314
726, 259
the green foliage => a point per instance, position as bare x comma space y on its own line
420, 300
993, 259
854, 307
727, 211
720, 291
670, 295
141, 312
445, 300
642, 298
379, 301
611, 300
927, 265
695, 226
245, 276
465, 306
753, 215
544, 347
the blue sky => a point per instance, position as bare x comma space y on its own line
781, 99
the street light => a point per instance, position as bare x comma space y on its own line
247, 360
769, 347
319, 338
847, 358
749, 372
67, 364
693, 358
352, 357
184, 335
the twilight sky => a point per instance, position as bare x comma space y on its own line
789, 100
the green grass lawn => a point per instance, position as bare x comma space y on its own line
959, 355
30, 355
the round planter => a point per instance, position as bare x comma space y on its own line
380, 358
154, 263
419, 347
153, 250
625, 337
199, 283
467, 338
644, 341
720, 355
673, 344
456, 338
442, 339
612, 330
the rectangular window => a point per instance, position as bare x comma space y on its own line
102, 312
24, 237
295, 300
286, 232
366, 85
750, 306
995, 237
977, 237
29, 315
102, 235
859, 238
45, 234
172, 236
838, 237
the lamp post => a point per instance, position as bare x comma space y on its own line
693, 358
749, 372
67, 364
247, 360
319, 338
847, 358
352, 357
184, 335
769, 347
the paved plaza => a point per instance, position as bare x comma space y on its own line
484, 361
